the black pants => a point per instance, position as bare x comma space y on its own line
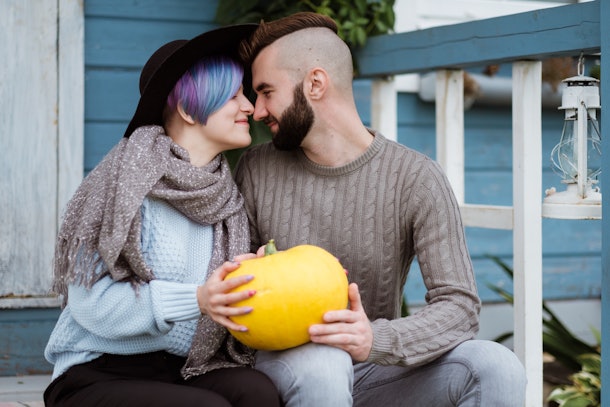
153, 379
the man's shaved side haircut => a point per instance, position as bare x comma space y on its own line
267, 33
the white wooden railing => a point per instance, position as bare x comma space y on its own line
524, 217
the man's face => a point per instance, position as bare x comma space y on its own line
280, 104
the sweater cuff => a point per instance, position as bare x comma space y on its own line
382, 342
174, 302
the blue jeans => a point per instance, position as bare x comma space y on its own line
476, 373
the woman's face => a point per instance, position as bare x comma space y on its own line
228, 127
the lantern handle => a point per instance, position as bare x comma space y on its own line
581, 65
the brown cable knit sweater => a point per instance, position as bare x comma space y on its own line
376, 214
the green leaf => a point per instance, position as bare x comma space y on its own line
577, 401
356, 19
361, 5
560, 394
591, 362
558, 340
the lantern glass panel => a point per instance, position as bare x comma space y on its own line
564, 156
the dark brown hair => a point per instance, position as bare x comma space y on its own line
267, 33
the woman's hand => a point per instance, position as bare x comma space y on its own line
215, 300
261, 251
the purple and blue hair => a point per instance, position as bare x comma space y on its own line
206, 87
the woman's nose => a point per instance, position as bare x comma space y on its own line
247, 106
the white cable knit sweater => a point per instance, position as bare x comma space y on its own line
376, 214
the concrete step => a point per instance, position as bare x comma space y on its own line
23, 390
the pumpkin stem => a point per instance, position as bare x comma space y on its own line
270, 248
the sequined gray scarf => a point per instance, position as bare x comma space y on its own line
100, 233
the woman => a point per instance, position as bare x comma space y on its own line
142, 253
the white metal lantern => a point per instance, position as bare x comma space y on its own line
577, 157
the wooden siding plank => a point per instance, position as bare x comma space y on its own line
362, 95
70, 100
582, 242
183, 10
111, 96
127, 44
531, 35
487, 132
24, 336
101, 138
563, 279
28, 134
481, 144
493, 186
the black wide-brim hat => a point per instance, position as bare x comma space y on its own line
167, 64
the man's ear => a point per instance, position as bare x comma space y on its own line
316, 83
184, 115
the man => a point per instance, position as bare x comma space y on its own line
327, 180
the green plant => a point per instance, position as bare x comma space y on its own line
576, 355
356, 19
586, 385
557, 339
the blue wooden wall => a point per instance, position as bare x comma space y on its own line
119, 37
572, 249
23, 336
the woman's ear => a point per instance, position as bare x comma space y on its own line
184, 115
317, 83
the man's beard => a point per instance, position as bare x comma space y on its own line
294, 123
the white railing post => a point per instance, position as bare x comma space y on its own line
450, 127
527, 229
383, 108
450, 151
525, 216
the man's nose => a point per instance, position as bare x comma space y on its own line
260, 111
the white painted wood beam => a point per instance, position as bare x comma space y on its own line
527, 234
71, 100
487, 216
384, 107
450, 127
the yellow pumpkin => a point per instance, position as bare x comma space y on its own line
294, 288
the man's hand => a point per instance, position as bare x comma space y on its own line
348, 329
